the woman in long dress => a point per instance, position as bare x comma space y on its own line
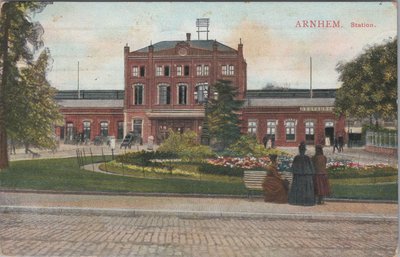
302, 190
275, 188
321, 183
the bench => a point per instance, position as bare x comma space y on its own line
253, 179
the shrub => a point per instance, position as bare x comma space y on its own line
247, 145
345, 171
186, 146
144, 158
208, 168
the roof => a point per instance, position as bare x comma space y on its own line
91, 103
289, 102
199, 44
291, 93
90, 94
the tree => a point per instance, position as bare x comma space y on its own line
19, 39
223, 114
33, 99
369, 83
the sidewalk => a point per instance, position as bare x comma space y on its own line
131, 205
355, 154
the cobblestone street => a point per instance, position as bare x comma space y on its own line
30, 234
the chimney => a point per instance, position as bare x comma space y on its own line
151, 47
126, 49
187, 36
240, 48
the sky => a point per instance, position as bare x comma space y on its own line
277, 46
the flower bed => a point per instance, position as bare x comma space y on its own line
248, 163
349, 169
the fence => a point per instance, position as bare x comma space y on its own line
381, 139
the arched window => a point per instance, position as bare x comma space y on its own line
252, 127
290, 130
164, 94
70, 133
182, 94
201, 93
86, 130
310, 131
139, 94
104, 128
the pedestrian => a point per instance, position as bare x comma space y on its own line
275, 188
341, 143
302, 189
273, 141
335, 144
265, 141
321, 183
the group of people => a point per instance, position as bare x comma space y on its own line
310, 180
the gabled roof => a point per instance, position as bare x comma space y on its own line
199, 44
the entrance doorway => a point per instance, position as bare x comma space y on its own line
329, 134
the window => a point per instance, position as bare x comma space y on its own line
182, 94
252, 127
228, 70
135, 71
86, 130
309, 131
271, 128
186, 70
224, 70
137, 127
205, 70
164, 94
70, 131
120, 133
231, 70
290, 130
142, 71
202, 70
138, 94
159, 71
201, 93
199, 70
166, 71
104, 128
178, 70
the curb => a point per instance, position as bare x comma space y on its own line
195, 214
4, 190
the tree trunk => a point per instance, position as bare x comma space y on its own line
4, 77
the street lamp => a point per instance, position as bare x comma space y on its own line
205, 133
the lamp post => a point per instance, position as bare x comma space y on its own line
205, 133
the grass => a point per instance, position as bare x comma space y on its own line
387, 191
65, 175
158, 173
359, 181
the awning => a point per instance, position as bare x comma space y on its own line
176, 114
353, 130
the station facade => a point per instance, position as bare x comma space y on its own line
167, 84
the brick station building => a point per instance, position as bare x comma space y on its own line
166, 85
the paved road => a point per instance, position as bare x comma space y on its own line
30, 234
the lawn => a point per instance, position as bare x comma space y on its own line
65, 175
